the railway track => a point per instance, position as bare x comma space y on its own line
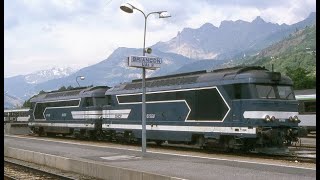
15, 171
294, 154
18, 169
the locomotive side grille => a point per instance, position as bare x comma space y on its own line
72, 93
54, 95
163, 82
62, 94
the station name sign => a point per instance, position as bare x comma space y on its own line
144, 62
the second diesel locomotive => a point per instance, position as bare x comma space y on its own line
71, 112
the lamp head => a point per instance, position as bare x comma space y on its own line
82, 77
164, 14
128, 8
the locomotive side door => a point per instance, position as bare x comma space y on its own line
236, 102
236, 110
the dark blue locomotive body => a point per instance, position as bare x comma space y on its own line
77, 111
241, 107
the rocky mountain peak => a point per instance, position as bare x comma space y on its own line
258, 20
48, 74
207, 26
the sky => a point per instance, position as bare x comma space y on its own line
41, 34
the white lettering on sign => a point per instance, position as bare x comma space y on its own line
143, 61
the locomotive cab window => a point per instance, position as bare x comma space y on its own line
265, 91
285, 92
238, 91
108, 99
100, 101
88, 102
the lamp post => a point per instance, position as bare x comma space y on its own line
81, 77
128, 8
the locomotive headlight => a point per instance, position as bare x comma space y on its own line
273, 118
267, 118
291, 118
296, 119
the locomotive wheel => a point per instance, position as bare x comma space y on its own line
201, 142
49, 134
41, 132
159, 142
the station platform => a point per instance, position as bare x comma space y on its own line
126, 162
16, 128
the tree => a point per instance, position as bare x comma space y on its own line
70, 87
301, 78
27, 104
42, 92
63, 88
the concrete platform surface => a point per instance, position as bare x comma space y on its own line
119, 163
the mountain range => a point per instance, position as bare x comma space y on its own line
207, 47
22, 87
11, 102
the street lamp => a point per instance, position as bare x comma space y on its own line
128, 8
81, 77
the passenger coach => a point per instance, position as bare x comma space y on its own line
307, 108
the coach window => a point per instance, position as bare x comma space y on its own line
310, 107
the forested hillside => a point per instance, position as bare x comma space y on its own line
294, 56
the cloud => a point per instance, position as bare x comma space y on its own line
39, 34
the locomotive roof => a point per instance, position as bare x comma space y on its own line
232, 75
97, 91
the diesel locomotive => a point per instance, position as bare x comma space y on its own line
243, 108
233, 108
71, 112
